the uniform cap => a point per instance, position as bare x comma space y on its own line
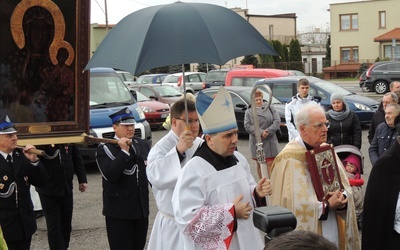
124, 117
6, 126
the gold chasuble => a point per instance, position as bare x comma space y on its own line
293, 189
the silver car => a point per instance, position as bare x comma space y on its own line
194, 81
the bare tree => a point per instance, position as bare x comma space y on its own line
313, 35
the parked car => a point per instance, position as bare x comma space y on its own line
154, 111
284, 88
248, 77
109, 94
381, 74
296, 72
194, 81
164, 94
241, 98
126, 77
362, 79
216, 77
151, 78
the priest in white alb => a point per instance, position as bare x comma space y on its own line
215, 194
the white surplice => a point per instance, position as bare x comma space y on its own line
162, 172
200, 185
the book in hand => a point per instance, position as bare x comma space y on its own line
324, 171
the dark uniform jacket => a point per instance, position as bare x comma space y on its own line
125, 185
17, 218
61, 169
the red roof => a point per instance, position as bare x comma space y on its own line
388, 36
345, 67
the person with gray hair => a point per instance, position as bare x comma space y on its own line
300, 240
379, 115
393, 86
385, 135
292, 187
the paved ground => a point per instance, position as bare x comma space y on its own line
88, 225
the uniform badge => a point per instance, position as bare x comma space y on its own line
5, 177
1, 185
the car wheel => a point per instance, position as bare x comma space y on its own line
364, 88
381, 87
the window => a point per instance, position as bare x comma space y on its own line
282, 90
349, 54
147, 92
349, 22
388, 52
382, 19
271, 32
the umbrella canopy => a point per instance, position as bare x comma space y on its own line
178, 33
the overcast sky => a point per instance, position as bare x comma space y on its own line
310, 13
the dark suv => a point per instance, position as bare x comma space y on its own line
381, 74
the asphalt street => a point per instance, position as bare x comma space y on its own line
88, 225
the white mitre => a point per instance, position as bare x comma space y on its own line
216, 114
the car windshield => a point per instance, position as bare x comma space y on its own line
246, 96
216, 76
171, 79
331, 88
129, 77
108, 88
167, 91
141, 98
144, 79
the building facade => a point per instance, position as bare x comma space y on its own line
358, 32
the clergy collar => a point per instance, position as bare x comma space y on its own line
308, 146
216, 160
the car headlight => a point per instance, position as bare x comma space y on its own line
362, 107
148, 110
140, 112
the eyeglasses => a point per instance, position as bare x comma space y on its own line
320, 125
190, 121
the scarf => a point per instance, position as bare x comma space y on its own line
339, 115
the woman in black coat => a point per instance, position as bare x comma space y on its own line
345, 127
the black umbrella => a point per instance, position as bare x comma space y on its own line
178, 33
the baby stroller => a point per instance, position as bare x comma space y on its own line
343, 151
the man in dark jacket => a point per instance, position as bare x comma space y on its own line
18, 170
379, 116
57, 196
385, 135
125, 185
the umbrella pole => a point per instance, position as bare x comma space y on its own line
184, 96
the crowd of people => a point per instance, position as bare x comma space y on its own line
203, 187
